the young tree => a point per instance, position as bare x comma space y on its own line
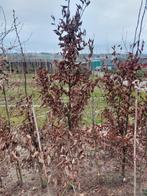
120, 112
67, 91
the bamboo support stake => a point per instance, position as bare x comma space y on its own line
41, 153
37, 130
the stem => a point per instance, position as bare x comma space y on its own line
140, 31
37, 130
6, 106
93, 112
69, 103
69, 108
19, 174
92, 106
22, 53
1, 183
123, 161
137, 25
135, 136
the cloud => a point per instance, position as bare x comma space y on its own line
106, 21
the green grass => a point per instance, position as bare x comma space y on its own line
15, 91
96, 102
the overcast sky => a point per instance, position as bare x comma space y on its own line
107, 21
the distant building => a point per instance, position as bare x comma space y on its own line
100, 63
31, 61
96, 64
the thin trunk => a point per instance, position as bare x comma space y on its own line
135, 136
137, 25
1, 183
124, 150
19, 174
69, 109
92, 112
92, 107
22, 53
6, 106
140, 29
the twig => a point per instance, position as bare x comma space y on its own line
137, 25
140, 30
22, 52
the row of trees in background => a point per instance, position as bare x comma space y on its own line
60, 148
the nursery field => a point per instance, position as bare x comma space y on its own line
73, 130
101, 175
15, 92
